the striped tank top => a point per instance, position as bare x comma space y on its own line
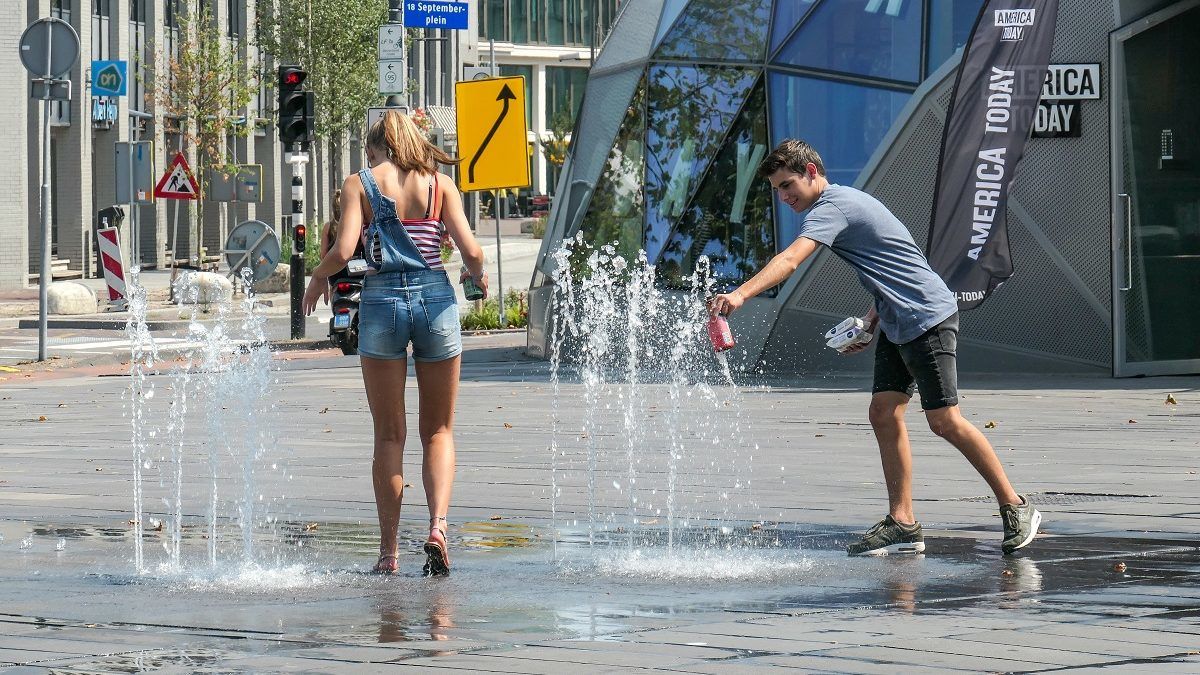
426, 232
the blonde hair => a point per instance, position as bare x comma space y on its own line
396, 137
335, 215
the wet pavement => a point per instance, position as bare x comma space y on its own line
1113, 584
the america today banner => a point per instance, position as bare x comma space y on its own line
991, 113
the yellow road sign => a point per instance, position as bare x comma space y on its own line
492, 137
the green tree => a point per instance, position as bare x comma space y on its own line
335, 41
554, 147
207, 88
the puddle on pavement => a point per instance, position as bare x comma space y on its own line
505, 587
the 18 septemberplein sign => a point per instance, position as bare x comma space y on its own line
492, 136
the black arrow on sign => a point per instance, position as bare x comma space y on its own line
505, 95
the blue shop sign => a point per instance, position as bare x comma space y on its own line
109, 78
445, 15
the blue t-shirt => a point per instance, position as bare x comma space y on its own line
909, 296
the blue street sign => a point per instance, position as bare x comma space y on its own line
109, 78
443, 14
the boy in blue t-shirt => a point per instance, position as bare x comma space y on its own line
916, 316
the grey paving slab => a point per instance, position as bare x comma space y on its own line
813, 663
919, 656
1068, 655
702, 636
1139, 633
1086, 644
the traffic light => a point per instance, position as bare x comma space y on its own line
298, 240
296, 106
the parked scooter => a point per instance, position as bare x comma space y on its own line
343, 326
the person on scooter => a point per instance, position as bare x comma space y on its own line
329, 234
397, 208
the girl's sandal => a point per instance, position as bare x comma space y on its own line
387, 564
437, 556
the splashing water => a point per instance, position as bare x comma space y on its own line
225, 371
662, 415
143, 356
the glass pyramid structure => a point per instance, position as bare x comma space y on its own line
687, 96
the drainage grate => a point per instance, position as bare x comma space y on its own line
1064, 498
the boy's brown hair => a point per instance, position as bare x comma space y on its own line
793, 155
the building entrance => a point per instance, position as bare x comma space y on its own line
1156, 193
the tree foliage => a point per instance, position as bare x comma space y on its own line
555, 145
335, 41
207, 86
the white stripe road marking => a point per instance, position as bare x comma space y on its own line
107, 346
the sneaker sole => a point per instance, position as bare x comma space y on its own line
1034, 523
907, 547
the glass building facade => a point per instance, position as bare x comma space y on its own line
689, 96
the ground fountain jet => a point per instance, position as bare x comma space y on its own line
659, 461
225, 376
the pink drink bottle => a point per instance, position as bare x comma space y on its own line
719, 333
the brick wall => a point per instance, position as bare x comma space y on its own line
14, 185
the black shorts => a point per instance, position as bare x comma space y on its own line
926, 363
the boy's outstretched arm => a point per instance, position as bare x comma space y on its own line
780, 268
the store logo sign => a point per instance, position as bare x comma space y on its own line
1014, 22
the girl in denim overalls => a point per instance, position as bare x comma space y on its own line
396, 210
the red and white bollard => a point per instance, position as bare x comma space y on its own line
114, 271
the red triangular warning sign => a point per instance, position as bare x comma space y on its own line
177, 181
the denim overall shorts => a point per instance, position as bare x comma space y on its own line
403, 299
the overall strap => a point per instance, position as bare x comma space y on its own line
429, 200
437, 199
374, 196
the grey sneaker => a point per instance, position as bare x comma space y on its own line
1021, 523
888, 536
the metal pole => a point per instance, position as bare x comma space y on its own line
499, 271
396, 16
134, 244
298, 247
496, 208
44, 277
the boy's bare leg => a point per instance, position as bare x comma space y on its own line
887, 420
949, 424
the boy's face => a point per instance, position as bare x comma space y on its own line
797, 190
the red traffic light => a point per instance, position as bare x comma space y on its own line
292, 76
300, 232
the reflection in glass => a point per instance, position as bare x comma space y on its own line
719, 29
1162, 177
950, 23
564, 91
615, 211
729, 218
787, 14
844, 122
874, 38
688, 110
670, 14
